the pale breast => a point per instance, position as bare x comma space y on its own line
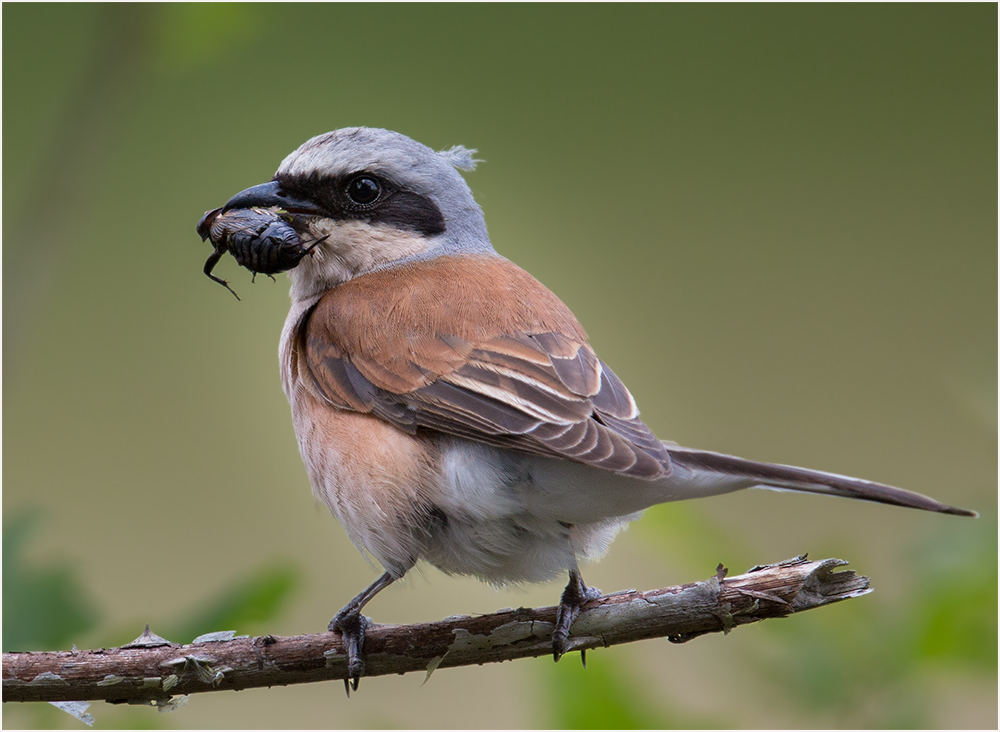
378, 481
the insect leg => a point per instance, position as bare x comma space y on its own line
315, 244
213, 260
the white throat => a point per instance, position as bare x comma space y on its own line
351, 249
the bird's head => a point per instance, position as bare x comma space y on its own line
378, 197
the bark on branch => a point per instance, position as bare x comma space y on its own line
152, 671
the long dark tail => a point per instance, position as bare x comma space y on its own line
786, 477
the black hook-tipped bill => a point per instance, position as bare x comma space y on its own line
271, 194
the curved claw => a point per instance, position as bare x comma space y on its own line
573, 598
351, 624
351, 627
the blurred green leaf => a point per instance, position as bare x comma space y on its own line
604, 696
826, 667
956, 613
44, 608
189, 36
243, 607
685, 533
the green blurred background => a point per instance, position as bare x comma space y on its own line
778, 224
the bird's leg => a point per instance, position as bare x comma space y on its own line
351, 624
573, 598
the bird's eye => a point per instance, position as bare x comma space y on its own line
364, 190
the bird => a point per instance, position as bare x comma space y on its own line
448, 407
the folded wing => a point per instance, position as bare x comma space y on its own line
479, 350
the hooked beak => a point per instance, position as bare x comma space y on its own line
271, 194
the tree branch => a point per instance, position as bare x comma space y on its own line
151, 670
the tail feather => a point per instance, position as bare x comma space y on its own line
786, 477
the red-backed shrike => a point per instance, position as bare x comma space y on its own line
447, 405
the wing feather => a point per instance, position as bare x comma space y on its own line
613, 398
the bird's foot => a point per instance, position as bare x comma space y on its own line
574, 597
351, 626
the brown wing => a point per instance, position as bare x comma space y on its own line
429, 346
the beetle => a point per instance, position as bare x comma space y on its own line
260, 239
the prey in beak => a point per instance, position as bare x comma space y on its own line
257, 230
